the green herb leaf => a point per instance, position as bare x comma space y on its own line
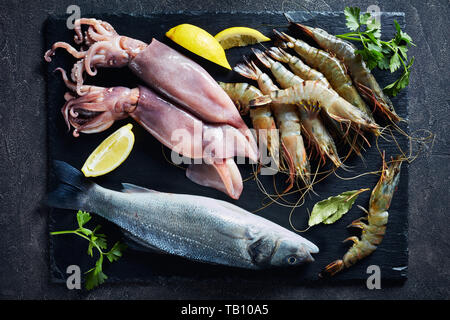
375, 41
403, 50
116, 251
401, 36
385, 55
100, 240
85, 231
374, 28
94, 276
364, 18
332, 209
405, 37
394, 88
83, 217
384, 63
352, 17
371, 56
394, 63
397, 26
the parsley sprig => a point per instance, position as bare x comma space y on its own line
385, 55
95, 275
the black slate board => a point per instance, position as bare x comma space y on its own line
147, 166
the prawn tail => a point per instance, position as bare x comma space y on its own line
278, 54
332, 268
262, 57
247, 69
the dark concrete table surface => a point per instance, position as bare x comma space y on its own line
24, 270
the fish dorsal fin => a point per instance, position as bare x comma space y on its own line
132, 188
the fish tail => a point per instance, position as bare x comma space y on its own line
72, 188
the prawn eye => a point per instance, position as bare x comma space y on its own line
291, 259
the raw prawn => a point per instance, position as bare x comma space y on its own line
313, 92
241, 94
264, 124
162, 68
377, 217
297, 65
333, 69
357, 68
305, 72
288, 123
316, 132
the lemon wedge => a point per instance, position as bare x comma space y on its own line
110, 153
200, 42
239, 37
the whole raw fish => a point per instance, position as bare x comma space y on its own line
198, 228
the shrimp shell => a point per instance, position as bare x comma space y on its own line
297, 66
288, 123
313, 127
319, 136
377, 217
241, 94
333, 69
360, 73
313, 92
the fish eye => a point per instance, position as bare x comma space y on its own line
292, 259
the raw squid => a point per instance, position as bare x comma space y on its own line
98, 108
164, 69
221, 175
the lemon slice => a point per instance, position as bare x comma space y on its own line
239, 37
110, 153
200, 42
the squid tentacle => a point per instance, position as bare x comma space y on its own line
64, 45
102, 28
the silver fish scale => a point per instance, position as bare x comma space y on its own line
198, 228
206, 229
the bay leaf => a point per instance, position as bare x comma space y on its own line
333, 208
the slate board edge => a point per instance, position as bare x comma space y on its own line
56, 279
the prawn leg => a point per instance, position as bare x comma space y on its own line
287, 120
313, 127
377, 217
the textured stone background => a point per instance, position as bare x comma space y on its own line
24, 272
